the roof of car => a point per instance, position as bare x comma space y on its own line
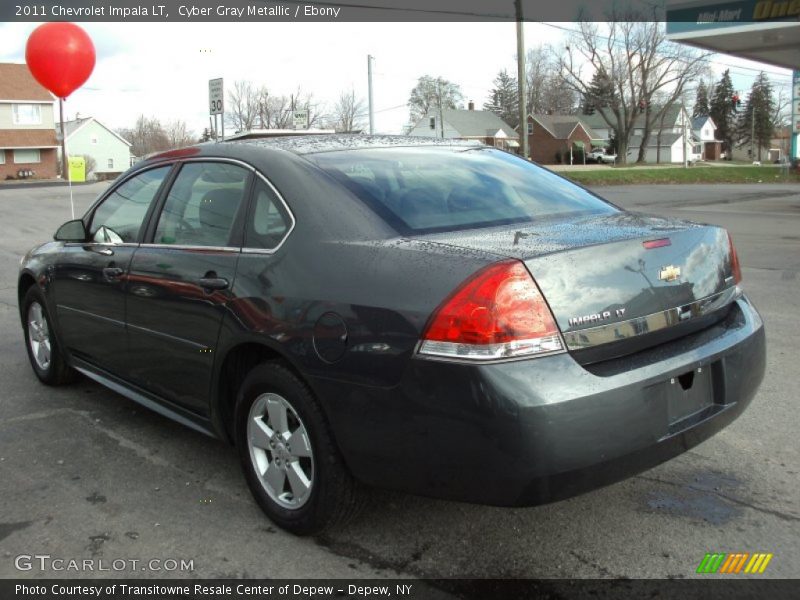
310, 144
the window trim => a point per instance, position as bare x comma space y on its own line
2, 156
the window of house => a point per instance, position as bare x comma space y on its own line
110, 163
433, 122
27, 114
2, 157
530, 128
27, 156
93, 140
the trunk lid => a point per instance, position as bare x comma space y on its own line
614, 280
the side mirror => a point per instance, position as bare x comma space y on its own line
72, 231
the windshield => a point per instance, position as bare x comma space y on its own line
426, 190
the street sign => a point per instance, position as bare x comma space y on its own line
216, 104
300, 119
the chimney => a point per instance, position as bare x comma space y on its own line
471, 105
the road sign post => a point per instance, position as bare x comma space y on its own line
216, 103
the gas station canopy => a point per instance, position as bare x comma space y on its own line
767, 31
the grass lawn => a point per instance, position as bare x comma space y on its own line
742, 174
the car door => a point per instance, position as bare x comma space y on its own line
89, 277
180, 281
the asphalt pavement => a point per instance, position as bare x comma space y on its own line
86, 473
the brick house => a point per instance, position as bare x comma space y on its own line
27, 126
551, 136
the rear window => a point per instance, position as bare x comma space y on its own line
427, 190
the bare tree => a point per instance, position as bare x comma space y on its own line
348, 112
636, 64
547, 92
242, 106
146, 136
433, 93
178, 134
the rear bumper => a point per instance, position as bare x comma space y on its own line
534, 431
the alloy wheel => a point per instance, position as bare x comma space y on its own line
39, 336
280, 451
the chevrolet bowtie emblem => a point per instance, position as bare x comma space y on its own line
669, 273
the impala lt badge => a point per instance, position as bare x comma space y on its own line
669, 273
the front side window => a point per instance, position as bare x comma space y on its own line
121, 215
27, 157
27, 114
202, 205
268, 222
110, 163
422, 190
2, 157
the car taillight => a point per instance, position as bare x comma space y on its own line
497, 313
736, 269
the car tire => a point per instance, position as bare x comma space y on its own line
44, 353
291, 463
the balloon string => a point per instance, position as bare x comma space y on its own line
66, 161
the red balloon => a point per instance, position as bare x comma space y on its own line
60, 56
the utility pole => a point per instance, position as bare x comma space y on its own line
752, 130
523, 109
370, 58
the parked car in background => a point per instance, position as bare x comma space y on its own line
599, 155
425, 315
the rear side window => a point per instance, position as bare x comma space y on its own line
202, 205
421, 190
268, 223
120, 216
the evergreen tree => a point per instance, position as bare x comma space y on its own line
599, 95
723, 111
701, 107
504, 98
756, 126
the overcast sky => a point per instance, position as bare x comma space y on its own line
163, 69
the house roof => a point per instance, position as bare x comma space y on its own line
28, 138
72, 127
17, 83
562, 126
698, 122
596, 120
475, 123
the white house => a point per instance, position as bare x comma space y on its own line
470, 124
671, 125
110, 151
671, 150
704, 130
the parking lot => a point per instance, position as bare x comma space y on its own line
87, 473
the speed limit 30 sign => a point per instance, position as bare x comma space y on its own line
215, 96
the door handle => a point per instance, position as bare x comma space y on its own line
111, 273
213, 283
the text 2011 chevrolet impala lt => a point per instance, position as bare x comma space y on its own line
436, 317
